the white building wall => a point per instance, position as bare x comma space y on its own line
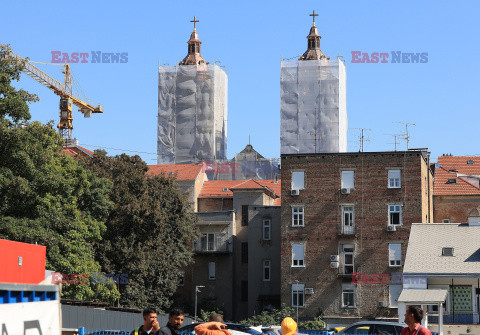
313, 106
192, 114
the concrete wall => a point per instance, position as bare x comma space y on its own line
258, 251
323, 236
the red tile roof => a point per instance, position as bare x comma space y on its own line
183, 171
77, 150
453, 167
215, 188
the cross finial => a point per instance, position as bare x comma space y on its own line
195, 21
313, 16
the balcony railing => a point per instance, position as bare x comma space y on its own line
348, 230
216, 218
213, 242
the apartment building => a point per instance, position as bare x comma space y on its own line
232, 222
345, 223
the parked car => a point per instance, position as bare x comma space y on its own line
374, 328
233, 327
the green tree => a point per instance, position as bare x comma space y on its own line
13, 102
49, 198
273, 317
149, 231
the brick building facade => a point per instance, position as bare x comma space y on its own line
346, 220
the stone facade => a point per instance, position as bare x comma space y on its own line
349, 222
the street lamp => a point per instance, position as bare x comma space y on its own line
197, 289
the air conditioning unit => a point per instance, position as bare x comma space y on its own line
308, 290
334, 258
383, 303
345, 191
334, 265
295, 192
391, 228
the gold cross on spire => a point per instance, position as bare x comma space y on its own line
195, 21
313, 16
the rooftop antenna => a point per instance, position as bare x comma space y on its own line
361, 137
395, 136
406, 136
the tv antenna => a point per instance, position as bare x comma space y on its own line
361, 137
395, 137
406, 136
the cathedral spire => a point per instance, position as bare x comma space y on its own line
193, 57
313, 49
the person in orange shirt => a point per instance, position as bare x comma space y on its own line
215, 326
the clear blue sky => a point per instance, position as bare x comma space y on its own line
249, 37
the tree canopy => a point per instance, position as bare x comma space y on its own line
149, 230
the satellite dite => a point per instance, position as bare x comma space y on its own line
192, 109
313, 101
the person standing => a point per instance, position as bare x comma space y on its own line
150, 323
413, 319
175, 321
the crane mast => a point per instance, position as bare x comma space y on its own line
67, 99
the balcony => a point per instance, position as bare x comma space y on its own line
348, 230
216, 232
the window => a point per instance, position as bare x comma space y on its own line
386, 330
446, 220
394, 214
394, 292
244, 252
348, 295
211, 271
207, 242
348, 251
181, 279
245, 215
266, 270
298, 255
297, 216
298, 180
348, 179
360, 329
244, 290
298, 295
348, 219
447, 251
394, 179
394, 254
267, 229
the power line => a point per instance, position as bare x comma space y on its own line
97, 146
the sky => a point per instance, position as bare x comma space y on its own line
440, 96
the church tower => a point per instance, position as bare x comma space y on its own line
313, 101
192, 109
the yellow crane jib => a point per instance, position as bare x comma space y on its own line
67, 99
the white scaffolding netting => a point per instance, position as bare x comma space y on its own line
192, 114
313, 106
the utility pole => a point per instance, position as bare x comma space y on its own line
197, 289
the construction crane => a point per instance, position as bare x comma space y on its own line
64, 90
